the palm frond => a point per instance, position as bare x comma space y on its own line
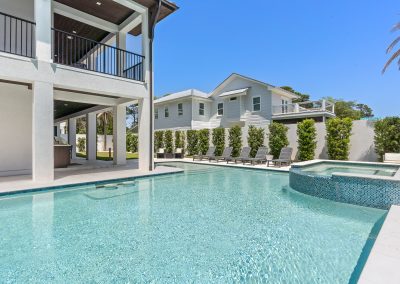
393, 57
396, 27
390, 47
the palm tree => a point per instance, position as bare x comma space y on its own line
390, 48
104, 119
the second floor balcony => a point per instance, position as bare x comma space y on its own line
310, 109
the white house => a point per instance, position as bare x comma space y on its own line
238, 100
64, 59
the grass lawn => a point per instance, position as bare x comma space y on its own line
104, 155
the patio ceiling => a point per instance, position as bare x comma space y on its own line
110, 11
64, 108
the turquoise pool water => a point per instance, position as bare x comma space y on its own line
327, 169
207, 225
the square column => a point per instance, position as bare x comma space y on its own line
91, 137
119, 134
72, 136
42, 132
146, 152
43, 19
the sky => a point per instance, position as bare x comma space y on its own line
320, 47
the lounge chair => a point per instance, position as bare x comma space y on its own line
209, 153
391, 158
261, 156
285, 157
161, 153
244, 155
179, 153
226, 155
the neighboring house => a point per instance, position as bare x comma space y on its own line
238, 100
65, 59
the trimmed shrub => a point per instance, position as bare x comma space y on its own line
192, 142
235, 140
255, 139
307, 139
277, 138
387, 136
81, 144
179, 139
158, 140
204, 140
169, 147
218, 140
338, 138
131, 142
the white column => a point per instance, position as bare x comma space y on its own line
42, 132
146, 46
119, 134
91, 137
121, 44
72, 135
323, 105
43, 19
146, 155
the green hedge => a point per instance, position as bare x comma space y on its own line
180, 139
158, 140
169, 147
204, 140
255, 139
338, 138
235, 140
387, 136
218, 140
277, 138
131, 142
81, 144
192, 139
306, 139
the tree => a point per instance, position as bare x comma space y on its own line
396, 54
81, 125
104, 126
387, 136
255, 139
350, 109
307, 139
218, 140
277, 138
235, 140
303, 97
132, 113
338, 137
365, 110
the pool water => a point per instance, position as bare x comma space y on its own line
207, 225
327, 169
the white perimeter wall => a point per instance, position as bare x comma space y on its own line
15, 129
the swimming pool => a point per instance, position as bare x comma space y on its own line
210, 224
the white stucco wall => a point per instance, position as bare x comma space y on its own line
16, 129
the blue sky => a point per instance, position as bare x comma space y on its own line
324, 48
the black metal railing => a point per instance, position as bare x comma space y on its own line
73, 50
17, 36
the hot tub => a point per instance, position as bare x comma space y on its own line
367, 184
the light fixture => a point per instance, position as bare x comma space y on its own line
98, 3
66, 105
69, 37
74, 32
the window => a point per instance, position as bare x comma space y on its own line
233, 99
201, 108
180, 109
166, 112
156, 113
284, 106
256, 104
220, 109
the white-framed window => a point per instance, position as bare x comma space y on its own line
166, 112
220, 109
256, 103
201, 108
156, 113
284, 106
180, 109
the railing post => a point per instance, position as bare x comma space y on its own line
120, 58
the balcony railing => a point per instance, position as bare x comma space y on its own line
76, 51
304, 107
17, 36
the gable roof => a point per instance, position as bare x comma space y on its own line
269, 86
184, 94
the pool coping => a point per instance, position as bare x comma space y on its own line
383, 262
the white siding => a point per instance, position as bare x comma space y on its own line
174, 120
